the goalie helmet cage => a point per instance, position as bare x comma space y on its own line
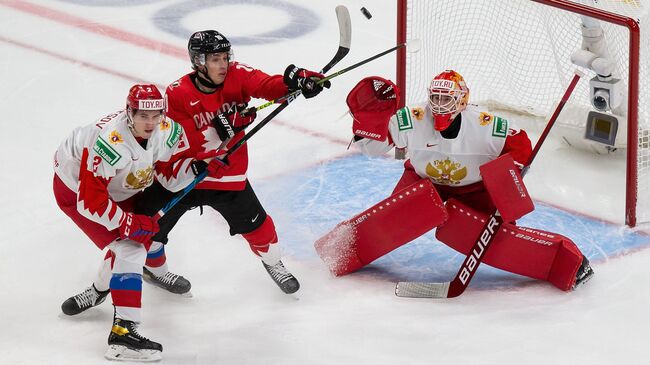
516, 55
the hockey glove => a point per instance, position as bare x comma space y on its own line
233, 121
138, 227
372, 102
307, 81
209, 160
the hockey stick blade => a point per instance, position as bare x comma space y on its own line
345, 39
414, 289
484, 240
466, 272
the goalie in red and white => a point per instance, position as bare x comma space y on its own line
446, 141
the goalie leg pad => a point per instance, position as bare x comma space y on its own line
398, 219
525, 251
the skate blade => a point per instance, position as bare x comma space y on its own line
123, 353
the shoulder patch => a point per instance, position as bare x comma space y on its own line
115, 137
500, 127
164, 125
174, 135
485, 118
418, 113
404, 120
106, 152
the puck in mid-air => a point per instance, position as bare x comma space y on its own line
366, 13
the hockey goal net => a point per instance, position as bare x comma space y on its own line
516, 55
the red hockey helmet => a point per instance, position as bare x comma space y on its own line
448, 96
145, 97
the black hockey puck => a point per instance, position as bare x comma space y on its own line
366, 13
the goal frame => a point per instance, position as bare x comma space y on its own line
631, 174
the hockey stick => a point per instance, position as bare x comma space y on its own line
345, 34
411, 46
471, 263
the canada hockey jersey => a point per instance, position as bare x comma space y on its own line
104, 163
194, 110
453, 162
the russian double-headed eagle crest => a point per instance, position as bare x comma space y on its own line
418, 113
446, 172
140, 179
164, 125
115, 138
485, 118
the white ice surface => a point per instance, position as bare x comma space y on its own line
57, 75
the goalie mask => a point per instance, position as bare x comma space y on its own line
144, 97
448, 96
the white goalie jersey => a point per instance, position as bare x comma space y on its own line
104, 164
453, 162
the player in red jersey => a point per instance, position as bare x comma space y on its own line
208, 102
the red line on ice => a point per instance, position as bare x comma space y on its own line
122, 36
95, 27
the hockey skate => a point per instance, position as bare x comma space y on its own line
126, 344
171, 282
285, 280
91, 297
585, 272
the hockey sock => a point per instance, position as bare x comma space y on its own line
263, 242
156, 259
103, 277
126, 281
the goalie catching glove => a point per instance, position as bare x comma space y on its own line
372, 102
233, 121
304, 80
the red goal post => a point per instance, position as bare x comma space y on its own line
538, 61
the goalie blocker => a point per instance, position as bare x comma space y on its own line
417, 208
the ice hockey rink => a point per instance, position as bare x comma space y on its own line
69, 62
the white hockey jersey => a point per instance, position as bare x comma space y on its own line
104, 164
452, 162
